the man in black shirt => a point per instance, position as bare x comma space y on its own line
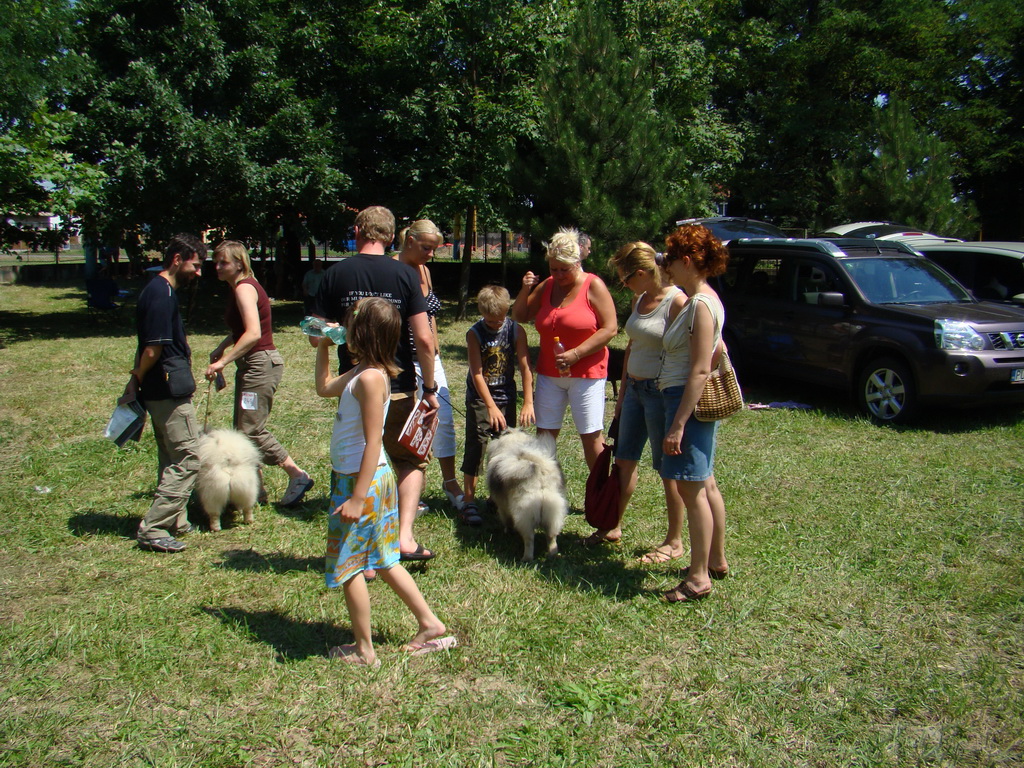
371, 272
162, 381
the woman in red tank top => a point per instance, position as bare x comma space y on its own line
577, 308
259, 366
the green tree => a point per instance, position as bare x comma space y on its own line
603, 156
806, 84
206, 117
985, 116
439, 93
901, 172
36, 172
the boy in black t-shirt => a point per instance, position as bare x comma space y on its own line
496, 344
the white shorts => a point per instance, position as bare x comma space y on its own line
444, 438
585, 397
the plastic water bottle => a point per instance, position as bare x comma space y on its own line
559, 349
317, 327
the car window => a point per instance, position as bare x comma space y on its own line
888, 280
762, 278
997, 278
813, 280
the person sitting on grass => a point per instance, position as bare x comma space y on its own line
362, 529
495, 344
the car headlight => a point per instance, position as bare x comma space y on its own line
956, 334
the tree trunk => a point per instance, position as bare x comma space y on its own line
467, 260
289, 266
504, 257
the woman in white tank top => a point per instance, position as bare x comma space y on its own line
690, 341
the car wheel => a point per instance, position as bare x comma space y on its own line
886, 392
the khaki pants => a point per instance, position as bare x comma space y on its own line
177, 433
259, 373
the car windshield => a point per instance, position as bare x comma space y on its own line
896, 280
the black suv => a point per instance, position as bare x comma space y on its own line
874, 318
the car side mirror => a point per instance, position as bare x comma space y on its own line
831, 299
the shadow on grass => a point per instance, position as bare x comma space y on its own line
595, 569
293, 640
92, 523
276, 562
66, 315
307, 511
837, 404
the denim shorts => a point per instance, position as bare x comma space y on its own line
696, 462
641, 419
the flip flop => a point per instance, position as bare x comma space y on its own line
421, 554
437, 644
714, 573
347, 654
684, 593
659, 555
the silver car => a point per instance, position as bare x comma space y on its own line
993, 271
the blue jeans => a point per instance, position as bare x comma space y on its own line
696, 461
641, 419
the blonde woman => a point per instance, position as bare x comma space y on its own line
640, 407
259, 366
577, 308
419, 241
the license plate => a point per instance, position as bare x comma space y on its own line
1017, 376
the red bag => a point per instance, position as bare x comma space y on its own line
601, 504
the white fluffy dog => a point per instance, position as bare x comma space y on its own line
229, 465
526, 485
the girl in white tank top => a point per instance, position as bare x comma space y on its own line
362, 521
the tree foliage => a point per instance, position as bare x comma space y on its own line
604, 157
203, 115
902, 172
269, 120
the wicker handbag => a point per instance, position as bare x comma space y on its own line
721, 397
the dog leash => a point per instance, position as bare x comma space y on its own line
209, 397
442, 397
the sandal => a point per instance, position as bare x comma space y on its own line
684, 593
470, 514
662, 554
714, 573
457, 500
599, 538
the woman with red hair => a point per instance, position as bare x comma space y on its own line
692, 340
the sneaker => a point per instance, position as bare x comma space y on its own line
167, 545
296, 489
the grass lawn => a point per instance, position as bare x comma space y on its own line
874, 615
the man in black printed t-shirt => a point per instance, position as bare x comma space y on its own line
371, 272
